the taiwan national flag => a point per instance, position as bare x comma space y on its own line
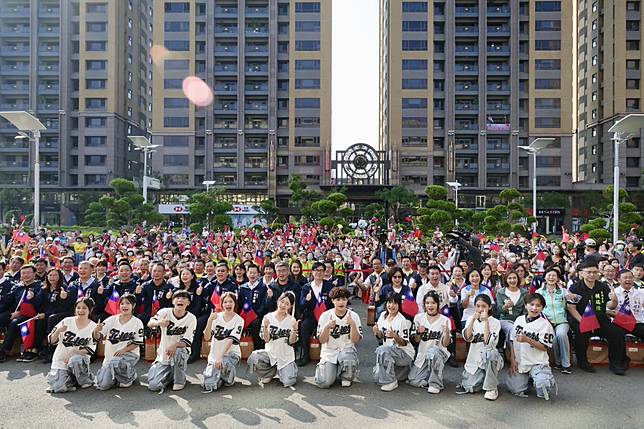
215, 298
248, 314
625, 319
259, 258
589, 320
28, 334
446, 313
26, 308
409, 306
156, 305
320, 307
19, 236
112, 307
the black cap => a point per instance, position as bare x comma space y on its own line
423, 263
391, 262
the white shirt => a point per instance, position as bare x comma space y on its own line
223, 330
432, 337
117, 337
72, 340
526, 355
440, 289
636, 300
477, 344
178, 330
401, 327
340, 336
469, 311
278, 349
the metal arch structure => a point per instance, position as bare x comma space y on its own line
361, 164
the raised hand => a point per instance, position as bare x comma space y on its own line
63, 294
164, 323
138, 290
100, 289
420, 329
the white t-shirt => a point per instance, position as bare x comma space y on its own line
514, 296
469, 311
539, 330
72, 340
635, 299
278, 349
223, 330
401, 327
440, 289
477, 344
432, 337
118, 337
178, 330
340, 336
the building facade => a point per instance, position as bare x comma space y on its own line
85, 68
464, 83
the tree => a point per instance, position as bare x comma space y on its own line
601, 225
397, 198
206, 209
438, 212
301, 197
504, 218
124, 206
268, 211
14, 199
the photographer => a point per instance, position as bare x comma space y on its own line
468, 249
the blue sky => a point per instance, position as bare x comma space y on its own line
355, 72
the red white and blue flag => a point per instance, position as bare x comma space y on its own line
28, 334
113, 306
625, 319
409, 305
156, 305
320, 307
589, 320
215, 298
248, 314
446, 313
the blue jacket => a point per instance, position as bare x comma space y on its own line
256, 297
307, 307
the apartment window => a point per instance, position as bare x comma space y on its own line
439, 9
95, 64
547, 83
175, 103
414, 6
282, 9
307, 83
414, 141
632, 45
547, 103
94, 141
175, 122
96, 8
307, 141
632, 162
95, 83
311, 7
633, 181
305, 27
548, 161
413, 26
95, 160
547, 45
96, 27
414, 122
633, 6
95, 103
95, 46
95, 122
633, 143
176, 26
95, 179
548, 180
177, 7
176, 64
633, 104
547, 25
547, 122
632, 25
414, 45
282, 85
175, 141
547, 64
177, 45
307, 103
307, 64
414, 64
175, 160
414, 103
548, 6
172, 83
307, 122
632, 64
177, 179
414, 84
307, 45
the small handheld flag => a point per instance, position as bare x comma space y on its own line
28, 334
446, 313
589, 320
625, 319
112, 306
248, 314
409, 306
215, 299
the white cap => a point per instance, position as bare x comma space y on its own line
590, 242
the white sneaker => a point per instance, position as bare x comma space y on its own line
346, 383
177, 387
266, 380
491, 395
128, 384
85, 386
434, 390
389, 387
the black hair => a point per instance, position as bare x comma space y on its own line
624, 271
251, 265
433, 295
552, 268
180, 294
339, 293
532, 296
288, 295
128, 297
395, 298
433, 267
587, 264
469, 274
395, 270
483, 297
89, 302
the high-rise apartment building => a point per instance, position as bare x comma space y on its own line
81, 67
463, 83
269, 65
610, 72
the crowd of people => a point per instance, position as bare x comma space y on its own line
512, 299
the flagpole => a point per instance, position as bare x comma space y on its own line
21, 299
28, 320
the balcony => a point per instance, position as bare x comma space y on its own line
48, 89
470, 108
14, 70
225, 89
256, 50
50, 12
494, 167
257, 12
256, 107
51, 69
472, 166
469, 88
13, 145
256, 88
467, 31
466, 69
257, 69
16, 51
466, 126
498, 69
467, 11
497, 147
225, 164
48, 50
256, 183
226, 31
14, 164
48, 107
502, 89
225, 107
500, 50
225, 124
256, 145
466, 50
226, 12
14, 89
498, 31
20, 32
14, 106
225, 69
226, 51
14, 12
498, 11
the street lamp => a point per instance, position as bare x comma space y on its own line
534, 148
208, 184
622, 130
27, 123
456, 185
143, 144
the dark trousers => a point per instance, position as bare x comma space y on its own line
639, 331
308, 328
13, 332
612, 333
5, 318
195, 349
253, 329
45, 326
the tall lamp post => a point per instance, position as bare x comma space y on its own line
534, 148
26, 123
208, 184
143, 144
622, 130
456, 185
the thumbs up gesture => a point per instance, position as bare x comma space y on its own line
199, 291
390, 333
62, 328
168, 295
269, 293
309, 296
63, 294
421, 329
100, 289
332, 323
30, 295
138, 290
99, 327
164, 321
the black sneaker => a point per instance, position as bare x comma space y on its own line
3, 356
557, 367
28, 357
617, 370
566, 370
460, 390
586, 366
